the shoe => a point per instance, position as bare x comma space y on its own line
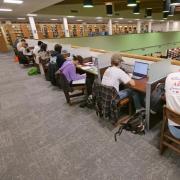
139, 110
153, 112
83, 104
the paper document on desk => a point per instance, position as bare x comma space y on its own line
81, 81
86, 67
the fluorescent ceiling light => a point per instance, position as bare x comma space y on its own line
70, 16
98, 17
5, 9
175, 2
79, 20
31, 14
54, 19
131, 3
13, 1
21, 18
120, 18
88, 4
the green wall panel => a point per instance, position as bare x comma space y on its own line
127, 43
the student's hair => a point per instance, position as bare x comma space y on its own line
58, 48
116, 59
43, 47
40, 43
78, 58
23, 40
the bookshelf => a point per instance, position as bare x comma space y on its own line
3, 44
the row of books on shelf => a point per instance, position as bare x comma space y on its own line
174, 53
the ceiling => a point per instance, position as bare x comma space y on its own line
47, 9
29, 6
75, 8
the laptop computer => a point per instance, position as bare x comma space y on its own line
140, 70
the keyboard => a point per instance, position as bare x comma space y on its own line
136, 77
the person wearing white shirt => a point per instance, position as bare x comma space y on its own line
19, 44
24, 49
36, 51
172, 90
114, 76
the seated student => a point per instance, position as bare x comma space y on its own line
69, 70
35, 53
25, 50
43, 56
172, 92
57, 54
20, 43
37, 48
16, 41
114, 76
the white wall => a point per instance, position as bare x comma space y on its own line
162, 27
175, 26
159, 27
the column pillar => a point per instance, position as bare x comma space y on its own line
33, 27
66, 28
167, 26
110, 27
139, 27
149, 27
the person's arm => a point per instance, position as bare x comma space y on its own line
74, 76
125, 78
131, 82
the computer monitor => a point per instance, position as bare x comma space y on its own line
141, 69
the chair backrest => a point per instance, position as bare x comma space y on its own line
64, 83
173, 116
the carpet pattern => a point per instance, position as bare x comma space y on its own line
43, 138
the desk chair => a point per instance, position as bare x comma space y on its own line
168, 140
22, 59
68, 90
104, 95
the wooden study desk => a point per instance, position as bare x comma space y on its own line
140, 85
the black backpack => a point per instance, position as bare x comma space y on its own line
136, 124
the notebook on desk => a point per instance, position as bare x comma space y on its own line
81, 81
140, 70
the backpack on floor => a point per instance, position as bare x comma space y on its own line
33, 71
136, 124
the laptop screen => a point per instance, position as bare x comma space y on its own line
141, 69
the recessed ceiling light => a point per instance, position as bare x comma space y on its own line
161, 20
120, 18
130, 21
31, 14
70, 16
21, 18
137, 19
54, 19
13, 1
79, 20
5, 9
116, 21
100, 20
